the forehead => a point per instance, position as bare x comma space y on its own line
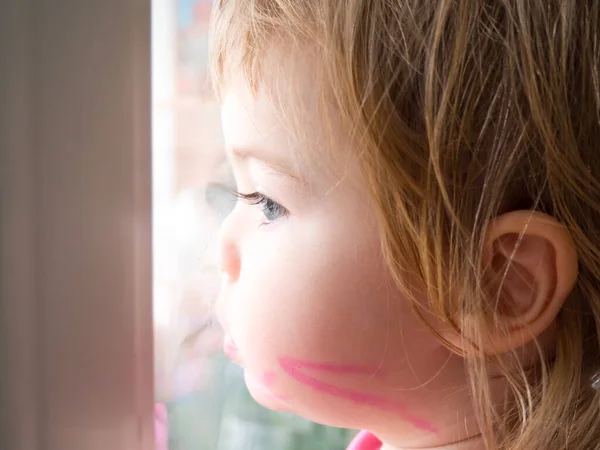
284, 95
249, 119
289, 116
253, 126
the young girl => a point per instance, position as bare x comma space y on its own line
416, 251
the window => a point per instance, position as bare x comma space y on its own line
85, 204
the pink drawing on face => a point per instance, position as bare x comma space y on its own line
344, 369
268, 381
296, 369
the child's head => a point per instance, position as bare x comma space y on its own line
423, 259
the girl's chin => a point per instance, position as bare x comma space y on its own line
264, 396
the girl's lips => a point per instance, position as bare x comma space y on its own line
231, 350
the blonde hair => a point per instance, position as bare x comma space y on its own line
465, 110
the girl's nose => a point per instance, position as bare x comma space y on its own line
229, 258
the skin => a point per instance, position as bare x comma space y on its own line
309, 308
312, 286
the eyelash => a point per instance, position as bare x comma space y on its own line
267, 204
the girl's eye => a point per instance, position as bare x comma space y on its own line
271, 209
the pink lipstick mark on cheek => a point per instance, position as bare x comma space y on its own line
269, 379
344, 369
296, 369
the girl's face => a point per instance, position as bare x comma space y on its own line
309, 309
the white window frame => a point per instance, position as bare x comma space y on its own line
75, 201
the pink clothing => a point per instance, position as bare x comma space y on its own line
365, 440
161, 430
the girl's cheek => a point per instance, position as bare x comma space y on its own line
322, 362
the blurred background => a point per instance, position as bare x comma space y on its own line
201, 399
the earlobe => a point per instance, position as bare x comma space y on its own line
531, 266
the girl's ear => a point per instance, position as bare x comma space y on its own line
531, 268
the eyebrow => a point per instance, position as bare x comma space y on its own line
267, 159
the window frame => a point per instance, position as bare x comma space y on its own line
76, 275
